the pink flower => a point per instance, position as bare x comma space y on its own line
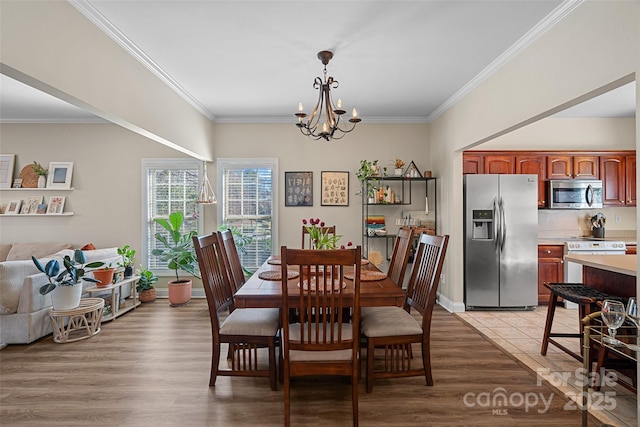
304, 221
322, 224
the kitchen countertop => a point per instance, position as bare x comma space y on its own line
624, 264
629, 239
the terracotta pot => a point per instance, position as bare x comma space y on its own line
105, 276
147, 295
179, 292
66, 297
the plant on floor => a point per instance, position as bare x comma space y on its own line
74, 271
145, 288
177, 249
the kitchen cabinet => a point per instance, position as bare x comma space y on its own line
630, 179
550, 269
612, 174
472, 164
415, 195
537, 165
631, 249
499, 164
567, 166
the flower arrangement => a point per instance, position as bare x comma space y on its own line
399, 163
320, 236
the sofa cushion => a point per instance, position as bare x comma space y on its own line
24, 251
4, 251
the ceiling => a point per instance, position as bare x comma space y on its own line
253, 61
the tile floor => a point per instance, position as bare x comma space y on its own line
519, 333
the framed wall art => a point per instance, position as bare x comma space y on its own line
33, 202
335, 188
56, 205
7, 162
60, 175
14, 207
298, 188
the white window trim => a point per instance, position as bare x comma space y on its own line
223, 163
164, 163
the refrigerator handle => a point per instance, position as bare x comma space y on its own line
503, 225
496, 225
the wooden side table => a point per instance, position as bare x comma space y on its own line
81, 322
131, 301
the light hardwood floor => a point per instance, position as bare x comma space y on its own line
150, 367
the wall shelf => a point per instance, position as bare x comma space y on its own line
40, 215
37, 189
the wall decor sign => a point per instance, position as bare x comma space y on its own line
60, 175
298, 188
335, 188
56, 205
7, 162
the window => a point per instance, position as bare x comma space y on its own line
246, 192
169, 185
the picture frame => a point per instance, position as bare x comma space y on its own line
42, 209
7, 162
334, 188
17, 183
298, 188
33, 202
14, 207
56, 205
60, 175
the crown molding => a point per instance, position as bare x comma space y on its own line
557, 15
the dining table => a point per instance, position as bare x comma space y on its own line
264, 288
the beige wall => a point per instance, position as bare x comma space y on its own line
594, 46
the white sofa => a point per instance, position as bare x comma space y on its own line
24, 313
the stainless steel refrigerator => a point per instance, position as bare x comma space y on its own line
501, 241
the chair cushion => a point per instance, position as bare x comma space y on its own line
389, 322
261, 322
317, 356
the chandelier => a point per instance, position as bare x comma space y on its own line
206, 196
325, 111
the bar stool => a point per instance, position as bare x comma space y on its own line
578, 293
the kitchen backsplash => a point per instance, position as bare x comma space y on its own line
575, 223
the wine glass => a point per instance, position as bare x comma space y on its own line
613, 313
632, 311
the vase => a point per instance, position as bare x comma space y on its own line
66, 297
398, 171
42, 181
179, 292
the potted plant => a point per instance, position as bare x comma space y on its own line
42, 174
128, 259
66, 284
398, 165
179, 254
367, 175
145, 288
104, 275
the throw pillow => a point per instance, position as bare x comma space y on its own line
88, 247
24, 251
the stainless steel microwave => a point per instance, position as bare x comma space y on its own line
575, 194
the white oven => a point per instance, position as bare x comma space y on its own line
573, 271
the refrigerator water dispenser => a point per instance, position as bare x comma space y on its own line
482, 225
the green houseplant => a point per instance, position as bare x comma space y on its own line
66, 283
145, 288
179, 254
128, 259
367, 174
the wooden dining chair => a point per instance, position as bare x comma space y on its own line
232, 260
245, 329
400, 256
306, 239
322, 342
394, 329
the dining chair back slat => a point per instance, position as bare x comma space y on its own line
232, 260
400, 255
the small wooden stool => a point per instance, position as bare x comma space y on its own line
81, 322
584, 296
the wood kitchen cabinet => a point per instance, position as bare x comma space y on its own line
630, 179
537, 165
567, 166
550, 269
472, 164
632, 250
612, 174
499, 164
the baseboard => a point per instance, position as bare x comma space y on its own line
450, 306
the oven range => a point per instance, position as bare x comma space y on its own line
573, 271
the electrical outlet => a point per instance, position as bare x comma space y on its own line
442, 279
618, 219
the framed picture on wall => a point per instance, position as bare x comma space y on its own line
298, 188
60, 175
335, 188
7, 161
56, 205
14, 207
